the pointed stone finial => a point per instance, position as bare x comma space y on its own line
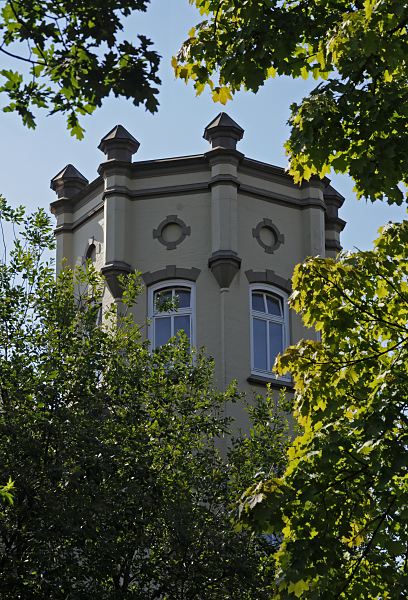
68, 182
224, 265
223, 132
119, 144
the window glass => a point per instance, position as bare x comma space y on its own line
182, 323
274, 305
91, 253
183, 297
258, 302
260, 344
162, 330
161, 299
275, 341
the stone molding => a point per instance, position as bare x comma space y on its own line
274, 383
277, 198
59, 207
69, 227
169, 220
199, 163
111, 271
115, 167
224, 265
118, 144
279, 238
224, 180
269, 277
223, 132
332, 197
176, 190
68, 183
176, 165
335, 224
278, 174
333, 245
217, 156
170, 190
171, 272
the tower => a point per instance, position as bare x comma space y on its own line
219, 230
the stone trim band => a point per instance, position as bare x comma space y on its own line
270, 277
171, 272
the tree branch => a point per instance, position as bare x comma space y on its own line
366, 549
29, 60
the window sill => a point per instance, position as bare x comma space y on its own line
274, 383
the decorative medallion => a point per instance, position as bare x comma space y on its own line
268, 236
171, 232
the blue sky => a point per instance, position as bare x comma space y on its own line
29, 159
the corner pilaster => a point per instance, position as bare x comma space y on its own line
333, 224
313, 218
67, 184
223, 134
119, 146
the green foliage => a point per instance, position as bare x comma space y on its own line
356, 119
6, 492
76, 57
342, 503
119, 488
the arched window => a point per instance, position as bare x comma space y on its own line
171, 309
90, 253
269, 327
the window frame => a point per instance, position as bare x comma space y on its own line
165, 284
284, 320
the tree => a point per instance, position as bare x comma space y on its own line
6, 492
342, 502
356, 119
75, 56
119, 489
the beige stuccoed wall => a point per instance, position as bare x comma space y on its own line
160, 181
90, 232
146, 253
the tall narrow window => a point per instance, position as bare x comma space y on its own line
90, 253
171, 309
269, 327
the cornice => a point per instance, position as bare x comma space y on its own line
224, 180
74, 202
168, 166
334, 223
168, 190
179, 190
118, 166
333, 197
333, 245
278, 198
70, 227
222, 155
279, 174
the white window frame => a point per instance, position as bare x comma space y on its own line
162, 285
265, 288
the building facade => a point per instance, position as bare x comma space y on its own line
218, 232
